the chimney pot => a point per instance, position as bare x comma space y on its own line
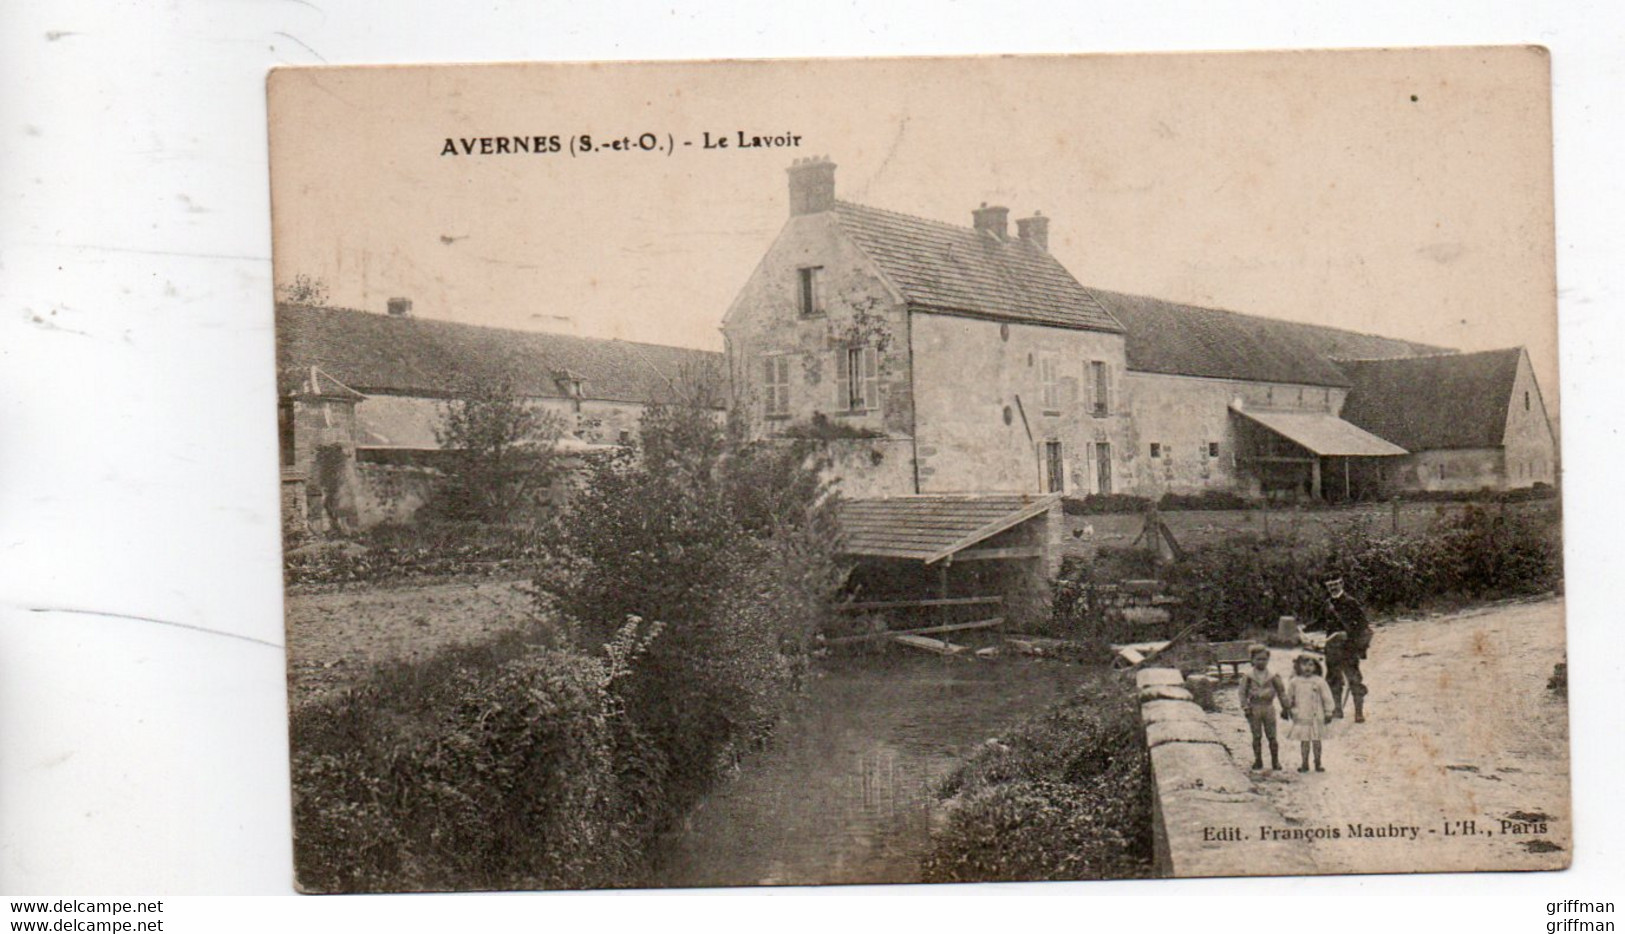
400, 308
992, 220
1034, 230
812, 185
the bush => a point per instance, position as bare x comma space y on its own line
1207, 499
1532, 493
1066, 796
732, 546
417, 551
1478, 554
491, 767
1099, 503
501, 453
1558, 683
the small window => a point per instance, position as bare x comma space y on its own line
1269, 396
1156, 450
1300, 397
1441, 471
811, 302
625, 436
1526, 401
776, 386
1213, 449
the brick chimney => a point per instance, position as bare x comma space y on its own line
994, 220
1034, 230
400, 308
812, 185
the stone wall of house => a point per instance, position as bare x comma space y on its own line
1531, 448
411, 421
1185, 417
872, 467
1449, 470
990, 396
854, 308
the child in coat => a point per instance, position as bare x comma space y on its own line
1311, 704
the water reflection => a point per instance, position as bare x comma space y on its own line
845, 793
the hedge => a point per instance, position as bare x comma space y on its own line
1067, 795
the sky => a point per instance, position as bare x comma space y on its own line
1405, 193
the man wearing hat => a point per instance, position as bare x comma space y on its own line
1347, 641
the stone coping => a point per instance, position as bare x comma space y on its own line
1206, 812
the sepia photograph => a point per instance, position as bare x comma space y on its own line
866, 471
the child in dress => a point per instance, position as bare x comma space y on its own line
1259, 692
1311, 708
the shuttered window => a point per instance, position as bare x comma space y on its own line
1048, 376
857, 379
1098, 378
776, 386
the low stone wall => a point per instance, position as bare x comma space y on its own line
1206, 814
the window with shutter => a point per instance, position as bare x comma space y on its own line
776, 386
1099, 388
843, 376
871, 379
1048, 377
1055, 467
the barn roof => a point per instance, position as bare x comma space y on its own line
1437, 402
960, 270
930, 528
1188, 340
376, 353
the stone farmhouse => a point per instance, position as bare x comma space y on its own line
948, 365
361, 396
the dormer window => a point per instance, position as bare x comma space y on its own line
810, 301
571, 387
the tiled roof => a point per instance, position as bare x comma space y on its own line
376, 353
959, 270
1432, 403
930, 528
1186, 340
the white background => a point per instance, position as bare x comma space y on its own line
142, 711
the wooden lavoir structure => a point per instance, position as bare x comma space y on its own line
927, 561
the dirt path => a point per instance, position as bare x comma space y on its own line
334, 639
1463, 742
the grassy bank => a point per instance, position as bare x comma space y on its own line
1067, 795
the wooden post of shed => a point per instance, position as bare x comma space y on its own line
1346, 495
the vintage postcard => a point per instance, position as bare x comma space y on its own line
937, 470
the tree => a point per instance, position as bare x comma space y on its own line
502, 453
731, 545
303, 290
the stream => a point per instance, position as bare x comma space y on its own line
845, 792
